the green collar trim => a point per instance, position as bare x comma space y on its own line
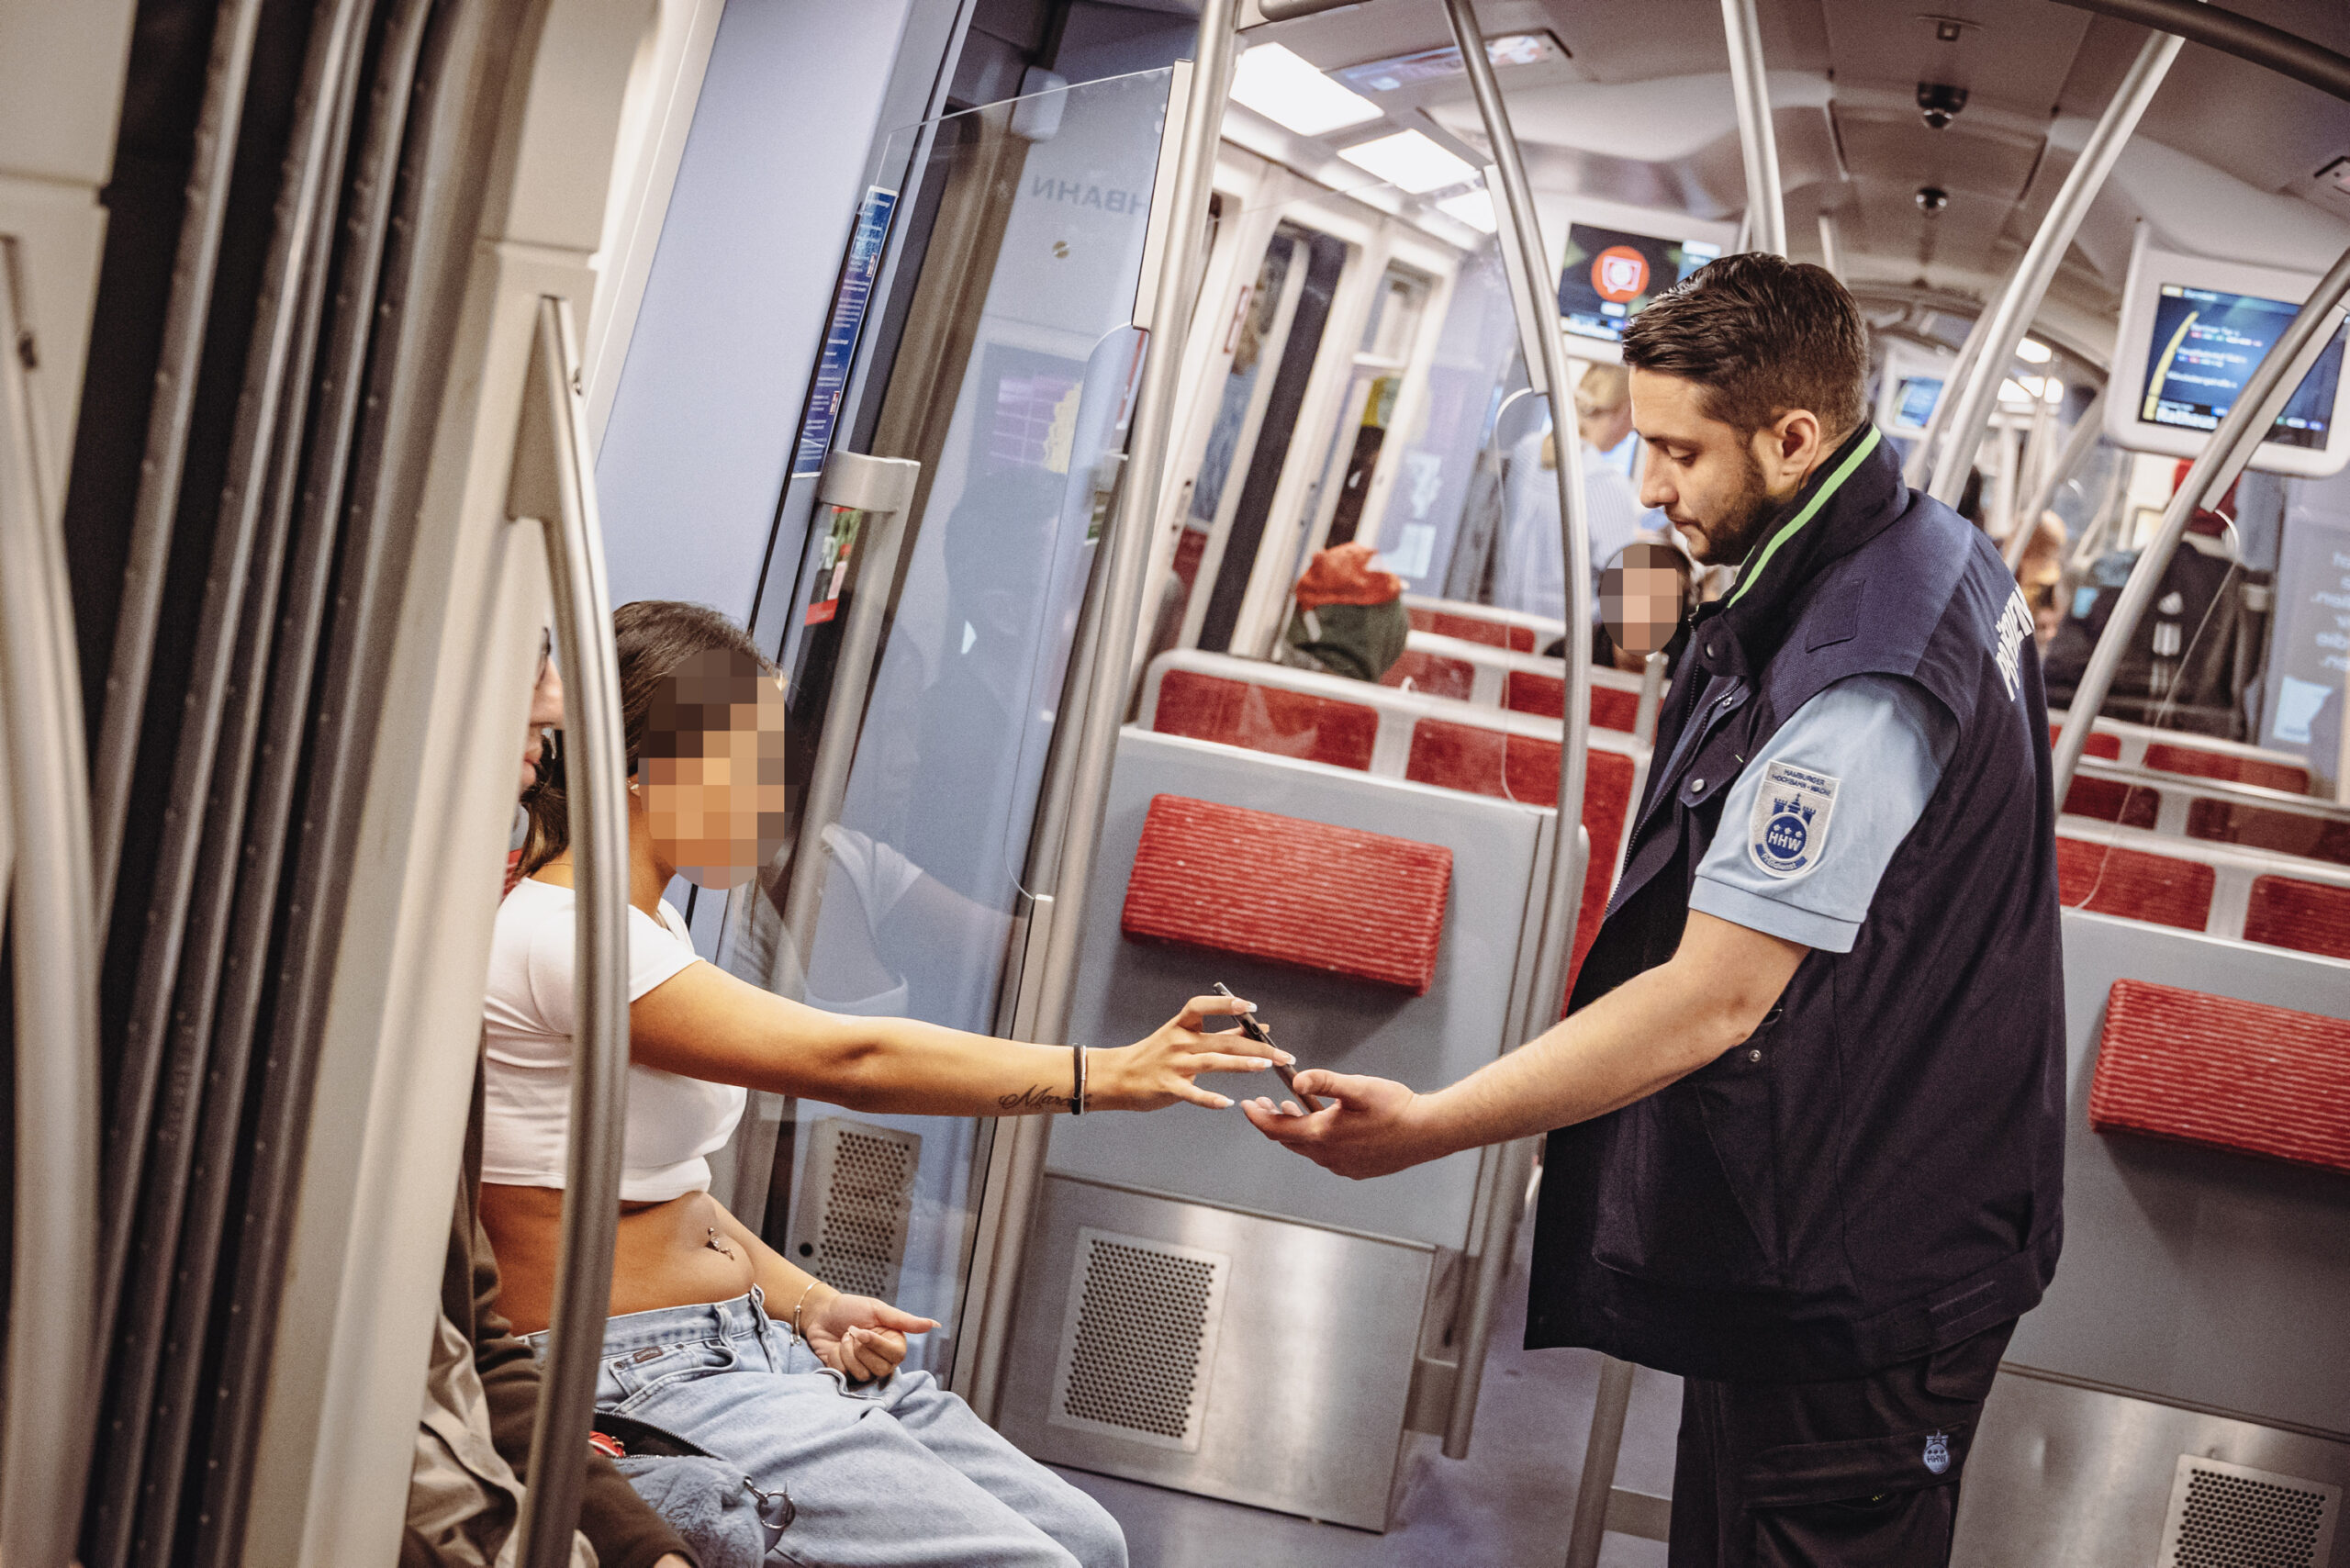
1747, 579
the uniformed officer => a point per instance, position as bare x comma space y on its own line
1805, 1112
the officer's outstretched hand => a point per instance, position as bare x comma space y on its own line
1371, 1128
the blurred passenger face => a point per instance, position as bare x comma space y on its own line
1603, 421
1643, 594
710, 775
546, 712
1716, 483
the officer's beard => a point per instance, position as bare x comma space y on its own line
1731, 538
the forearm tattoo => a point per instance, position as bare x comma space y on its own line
1035, 1097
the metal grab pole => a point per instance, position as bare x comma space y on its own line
2224, 456
882, 489
1613, 1402
2028, 286
1563, 898
2077, 442
1104, 699
46, 1431
1758, 138
1922, 464
554, 484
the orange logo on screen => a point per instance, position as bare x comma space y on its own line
1619, 273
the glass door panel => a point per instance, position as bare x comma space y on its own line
1013, 385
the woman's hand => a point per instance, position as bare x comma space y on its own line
1159, 1071
857, 1336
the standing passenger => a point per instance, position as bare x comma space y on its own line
1532, 573
1807, 1115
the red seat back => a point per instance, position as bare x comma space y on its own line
1544, 696
1435, 673
1606, 805
2165, 757
1265, 718
2099, 743
2157, 889
1612, 708
2227, 1074
2112, 800
2308, 917
1334, 900
2310, 836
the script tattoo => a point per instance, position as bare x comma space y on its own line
1034, 1097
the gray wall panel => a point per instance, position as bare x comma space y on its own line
2189, 1274
1127, 989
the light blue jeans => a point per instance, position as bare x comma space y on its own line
898, 1474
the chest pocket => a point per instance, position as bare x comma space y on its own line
1695, 1179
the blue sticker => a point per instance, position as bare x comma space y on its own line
1787, 831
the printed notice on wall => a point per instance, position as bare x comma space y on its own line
850, 298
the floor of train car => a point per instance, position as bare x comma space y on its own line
1508, 1503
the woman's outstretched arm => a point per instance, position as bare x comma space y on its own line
704, 1023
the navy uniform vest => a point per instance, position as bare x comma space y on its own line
1876, 1173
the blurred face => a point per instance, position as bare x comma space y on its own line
712, 781
1715, 484
546, 714
1603, 425
1642, 595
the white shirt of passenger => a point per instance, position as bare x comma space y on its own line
1811, 823
673, 1122
1532, 575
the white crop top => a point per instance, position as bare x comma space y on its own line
673, 1122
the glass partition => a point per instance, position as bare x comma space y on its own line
1012, 382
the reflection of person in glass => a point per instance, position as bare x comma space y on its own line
716, 1336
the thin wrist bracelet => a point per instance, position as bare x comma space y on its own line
801, 1303
1077, 1099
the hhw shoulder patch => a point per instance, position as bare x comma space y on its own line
1788, 832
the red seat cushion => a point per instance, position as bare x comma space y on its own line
2308, 917
2310, 836
1265, 718
2110, 799
2288, 777
2157, 889
1434, 674
1286, 891
2224, 1073
1607, 804
1484, 761
1544, 696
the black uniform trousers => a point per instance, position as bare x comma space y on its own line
1857, 1474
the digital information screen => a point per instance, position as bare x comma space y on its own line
2205, 345
1913, 401
1610, 275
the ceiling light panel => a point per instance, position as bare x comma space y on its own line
1286, 90
1435, 64
1475, 208
1408, 161
2032, 350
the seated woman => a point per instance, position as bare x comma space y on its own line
714, 1335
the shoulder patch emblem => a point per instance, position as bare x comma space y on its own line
1787, 831
1937, 1454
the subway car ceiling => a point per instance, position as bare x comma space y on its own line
1635, 108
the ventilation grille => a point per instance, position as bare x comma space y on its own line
858, 1194
1138, 1339
2230, 1515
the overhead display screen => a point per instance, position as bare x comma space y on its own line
2204, 346
1913, 403
1610, 275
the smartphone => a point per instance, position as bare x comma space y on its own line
1264, 1037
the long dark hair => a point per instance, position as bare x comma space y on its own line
652, 637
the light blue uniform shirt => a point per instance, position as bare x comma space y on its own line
1813, 821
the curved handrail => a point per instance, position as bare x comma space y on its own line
2033, 275
2288, 55
46, 1431
2223, 457
1562, 901
554, 485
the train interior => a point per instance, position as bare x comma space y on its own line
903, 334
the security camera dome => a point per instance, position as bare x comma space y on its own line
1931, 199
1938, 103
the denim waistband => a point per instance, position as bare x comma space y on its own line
744, 1313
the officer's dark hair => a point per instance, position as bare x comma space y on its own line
1762, 335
